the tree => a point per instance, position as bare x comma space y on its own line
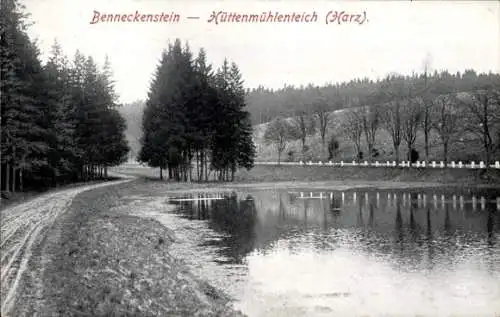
352, 128
446, 121
427, 103
370, 118
481, 117
333, 147
53, 116
305, 126
322, 114
411, 120
194, 115
23, 109
280, 132
63, 156
244, 150
391, 120
390, 114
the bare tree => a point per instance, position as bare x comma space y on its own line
482, 117
280, 132
411, 120
304, 124
446, 121
370, 118
352, 127
391, 120
396, 92
426, 119
322, 114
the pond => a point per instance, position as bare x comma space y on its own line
351, 253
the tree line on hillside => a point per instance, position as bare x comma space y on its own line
456, 110
266, 104
59, 121
195, 119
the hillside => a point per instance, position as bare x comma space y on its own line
132, 113
464, 151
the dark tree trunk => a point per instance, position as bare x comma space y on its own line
21, 183
14, 176
445, 153
7, 178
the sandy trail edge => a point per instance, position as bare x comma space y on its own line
22, 227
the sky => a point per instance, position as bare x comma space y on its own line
384, 37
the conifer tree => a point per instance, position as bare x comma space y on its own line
193, 118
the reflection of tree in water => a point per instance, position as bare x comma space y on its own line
371, 217
429, 238
306, 208
414, 227
359, 218
490, 227
282, 209
235, 218
398, 222
447, 222
335, 205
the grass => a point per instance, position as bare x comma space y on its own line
294, 173
324, 173
104, 262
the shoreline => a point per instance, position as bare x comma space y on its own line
99, 258
98, 261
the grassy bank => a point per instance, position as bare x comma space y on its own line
104, 263
291, 173
268, 173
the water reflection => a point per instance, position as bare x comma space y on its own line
299, 246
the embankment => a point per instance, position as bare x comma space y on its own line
99, 262
459, 177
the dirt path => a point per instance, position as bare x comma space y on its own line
22, 230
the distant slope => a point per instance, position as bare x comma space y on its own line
465, 151
132, 113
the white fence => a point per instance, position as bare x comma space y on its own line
418, 164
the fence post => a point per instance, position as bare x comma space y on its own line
453, 164
460, 164
433, 163
441, 164
366, 163
353, 163
497, 164
376, 163
423, 163
481, 164
341, 163
472, 164
418, 163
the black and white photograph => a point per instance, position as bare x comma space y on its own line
250, 158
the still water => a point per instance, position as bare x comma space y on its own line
352, 253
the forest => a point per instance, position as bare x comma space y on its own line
59, 120
195, 118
